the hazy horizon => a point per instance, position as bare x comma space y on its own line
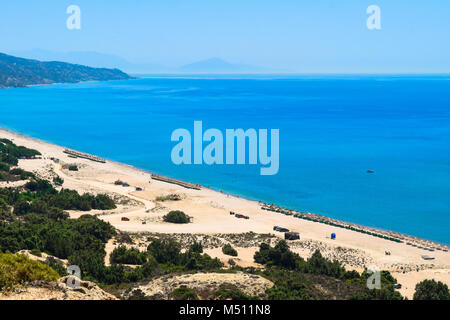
292, 37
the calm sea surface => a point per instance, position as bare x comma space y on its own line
332, 130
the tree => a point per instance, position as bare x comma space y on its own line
165, 251
176, 217
431, 290
229, 250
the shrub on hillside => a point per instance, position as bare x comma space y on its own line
4, 167
58, 181
184, 293
231, 292
176, 217
22, 173
127, 256
229, 250
19, 269
431, 290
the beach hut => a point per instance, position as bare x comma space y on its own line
292, 236
333, 236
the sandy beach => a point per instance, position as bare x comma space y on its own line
210, 212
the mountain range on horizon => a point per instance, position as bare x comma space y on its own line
103, 60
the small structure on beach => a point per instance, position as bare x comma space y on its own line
280, 229
177, 182
292, 236
76, 154
121, 183
333, 236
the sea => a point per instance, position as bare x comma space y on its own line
332, 130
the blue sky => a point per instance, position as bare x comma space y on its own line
322, 36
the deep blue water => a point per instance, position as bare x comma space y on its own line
332, 129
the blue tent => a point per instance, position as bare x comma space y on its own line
333, 236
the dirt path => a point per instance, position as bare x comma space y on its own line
147, 205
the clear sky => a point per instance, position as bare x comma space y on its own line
293, 35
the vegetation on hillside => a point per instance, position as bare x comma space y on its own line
231, 292
297, 279
431, 290
184, 293
9, 158
122, 255
19, 72
18, 269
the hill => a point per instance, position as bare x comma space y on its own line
20, 72
216, 65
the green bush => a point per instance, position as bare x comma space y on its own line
58, 181
184, 293
19, 269
127, 256
231, 292
73, 167
4, 167
176, 217
168, 252
36, 252
431, 290
229, 250
10, 153
22, 173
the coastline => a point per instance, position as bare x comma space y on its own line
288, 211
62, 83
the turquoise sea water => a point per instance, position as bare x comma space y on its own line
332, 130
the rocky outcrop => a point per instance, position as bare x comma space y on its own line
44, 290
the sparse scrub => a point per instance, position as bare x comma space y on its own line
184, 293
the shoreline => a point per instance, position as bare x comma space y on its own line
262, 204
63, 83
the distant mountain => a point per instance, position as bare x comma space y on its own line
216, 65
20, 72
